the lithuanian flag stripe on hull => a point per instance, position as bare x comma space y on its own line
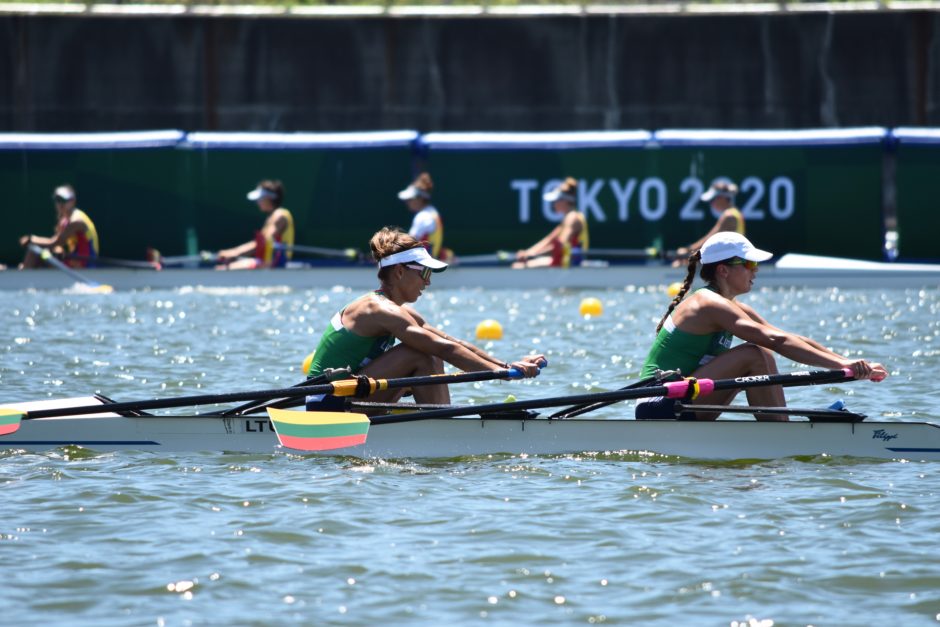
318, 431
9, 420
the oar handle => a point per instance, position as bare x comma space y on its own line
693, 388
365, 386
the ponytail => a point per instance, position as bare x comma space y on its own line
694, 259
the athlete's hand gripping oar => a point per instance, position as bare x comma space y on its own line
360, 386
314, 431
46, 255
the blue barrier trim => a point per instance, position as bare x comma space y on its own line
70, 141
378, 139
804, 137
916, 135
536, 141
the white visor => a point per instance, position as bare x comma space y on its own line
412, 192
557, 194
417, 255
259, 192
713, 193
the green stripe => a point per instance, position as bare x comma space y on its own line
321, 431
9, 419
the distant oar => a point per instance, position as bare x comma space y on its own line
364, 386
500, 257
651, 252
46, 255
346, 253
120, 263
317, 431
154, 257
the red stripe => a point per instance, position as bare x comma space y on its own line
10, 428
322, 444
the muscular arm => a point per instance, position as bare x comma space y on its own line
727, 221
377, 317
542, 246
276, 225
74, 227
742, 321
760, 320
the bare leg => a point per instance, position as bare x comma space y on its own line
30, 260
404, 361
742, 361
542, 261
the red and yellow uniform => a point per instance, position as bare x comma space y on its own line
275, 252
571, 253
81, 249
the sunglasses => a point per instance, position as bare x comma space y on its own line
737, 261
423, 270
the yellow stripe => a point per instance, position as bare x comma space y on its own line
315, 418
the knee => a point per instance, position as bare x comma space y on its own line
761, 359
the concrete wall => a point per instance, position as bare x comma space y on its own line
781, 70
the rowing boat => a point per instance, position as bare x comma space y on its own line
469, 436
790, 271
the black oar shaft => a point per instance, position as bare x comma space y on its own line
347, 387
46, 255
786, 380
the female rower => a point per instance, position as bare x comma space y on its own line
75, 239
720, 196
426, 226
273, 244
362, 334
695, 335
566, 244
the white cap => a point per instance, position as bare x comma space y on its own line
260, 192
728, 245
557, 194
417, 255
720, 188
412, 192
64, 193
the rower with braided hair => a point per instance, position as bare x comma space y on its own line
695, 335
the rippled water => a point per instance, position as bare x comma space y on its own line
136, 538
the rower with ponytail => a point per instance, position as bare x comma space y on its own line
696, 334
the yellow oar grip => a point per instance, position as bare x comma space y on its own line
362, 386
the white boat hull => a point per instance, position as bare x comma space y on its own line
447, 438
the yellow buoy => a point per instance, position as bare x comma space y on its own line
489, 330
673, 289
308, 360
591, 307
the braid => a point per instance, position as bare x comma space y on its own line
686, 285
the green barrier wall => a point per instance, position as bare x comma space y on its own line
340, 191
817, 192
916, 171
129, 185
814, 193
180, 196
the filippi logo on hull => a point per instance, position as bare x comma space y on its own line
648, 199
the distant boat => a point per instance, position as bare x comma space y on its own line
791, 270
